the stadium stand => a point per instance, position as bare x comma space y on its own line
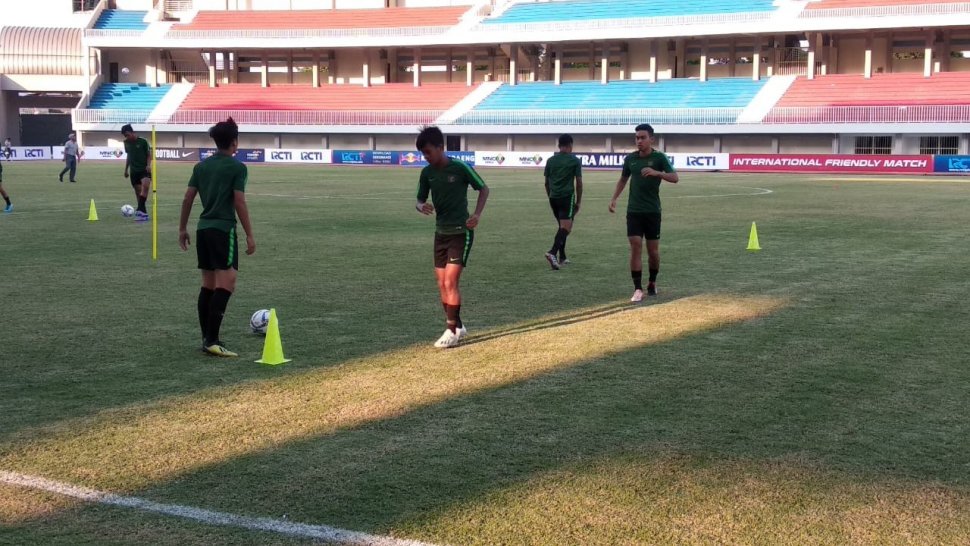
884, 98
680, 94
127, 96
838, 4
116, 19
324, 19
880, 90
422, 104
581, 10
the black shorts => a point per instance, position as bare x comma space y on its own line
643, 224
217, 249
563, 208
452, 249
137, 176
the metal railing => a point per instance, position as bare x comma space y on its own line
112, 33
293, 33
85, 115
182, 76
627, 22
679, 116
868, 114
888, 11
663, 116
307, 117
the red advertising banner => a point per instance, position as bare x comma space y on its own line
898, 164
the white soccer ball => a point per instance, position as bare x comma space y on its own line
127, 211
259, 321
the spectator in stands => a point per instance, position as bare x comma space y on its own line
3, 193
564, 188
646, 168
72, 154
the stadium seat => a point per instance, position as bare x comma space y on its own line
324, 19
127, 96
593, 96
837, 4
116, 19
581, 10
432, 98
912, 98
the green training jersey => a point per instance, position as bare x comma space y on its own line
645, 190
138, 154
561, 170
448, 187
217, 179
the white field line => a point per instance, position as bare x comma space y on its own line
386, 197
302, 530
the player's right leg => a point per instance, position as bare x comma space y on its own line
218, 254
6, 198
634, 234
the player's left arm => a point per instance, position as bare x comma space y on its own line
479, 207
476, 182
187, 201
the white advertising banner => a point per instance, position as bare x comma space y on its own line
26, 153
511, 159
695, 161
106, 153
286, 155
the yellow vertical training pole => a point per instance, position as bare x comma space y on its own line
154, 201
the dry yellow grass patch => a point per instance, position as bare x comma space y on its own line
132, 448
662, 498
18, 505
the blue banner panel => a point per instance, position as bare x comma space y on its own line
951, 164
246, 155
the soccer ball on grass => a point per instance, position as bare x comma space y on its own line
127, 211
259, 321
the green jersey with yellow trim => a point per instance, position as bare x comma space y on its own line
448, 187
217, 179
645, 190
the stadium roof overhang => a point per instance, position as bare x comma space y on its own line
37, 50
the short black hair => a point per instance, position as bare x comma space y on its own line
430, 135
126, 128
565, 140
645, 127
223, 133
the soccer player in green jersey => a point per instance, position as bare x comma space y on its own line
3, 193
447, 179
139, 163
645, 168
561, 170
220, 183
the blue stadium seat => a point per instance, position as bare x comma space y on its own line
116, 19
127, 96
582, 10
600, 100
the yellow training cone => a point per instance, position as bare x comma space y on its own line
273, 347
92, 213
753, 238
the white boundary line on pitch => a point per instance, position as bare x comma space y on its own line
387, 197
302, 530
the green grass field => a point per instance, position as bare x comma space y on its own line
815, 392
